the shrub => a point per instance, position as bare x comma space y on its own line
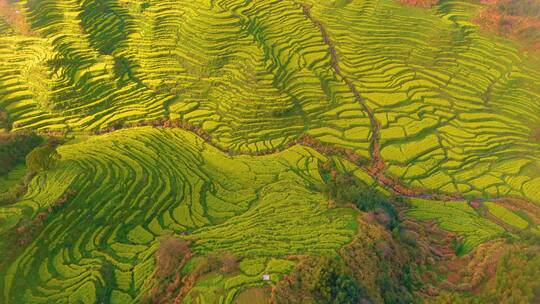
169, 256
42, 158
14, 147
223, 261
229, 263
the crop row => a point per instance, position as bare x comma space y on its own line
133, 186
457, 217
458, 109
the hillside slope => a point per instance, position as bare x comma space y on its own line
266, 134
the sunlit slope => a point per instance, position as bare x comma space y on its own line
255, 85
457, 109
133, 186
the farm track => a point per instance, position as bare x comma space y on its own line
375, 124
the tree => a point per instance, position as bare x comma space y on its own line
344, 188
42, 158
170, 255
14, 147
318, 280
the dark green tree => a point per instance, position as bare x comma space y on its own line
321, 280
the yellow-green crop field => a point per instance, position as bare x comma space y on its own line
273, 100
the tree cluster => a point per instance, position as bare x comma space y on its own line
519, 20
14, 147
318, 280
345, 188
42, 158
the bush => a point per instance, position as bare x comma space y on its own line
169, 256
14, 147
42, 158
222, 261
229, 263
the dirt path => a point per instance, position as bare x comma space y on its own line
375, 124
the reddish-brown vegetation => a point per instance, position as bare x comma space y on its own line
169, 256
420, 3
171, 285
15, 18
495, 272
518, 20
229, 263
467, 273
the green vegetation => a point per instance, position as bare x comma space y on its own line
506, 215
249, 206
257, 82
14, 184
13, 149
457, 217
42, 158
343, 187
517, 277
209, 144
318, 280
10, 180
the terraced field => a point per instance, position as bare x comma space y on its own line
155, 182
452, 104
222, 122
